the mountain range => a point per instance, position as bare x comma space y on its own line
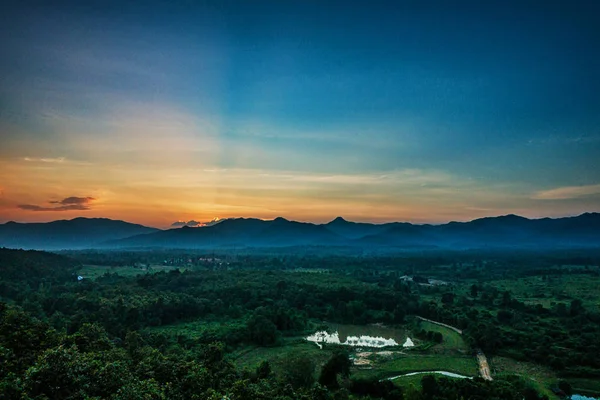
76, 233
509, 231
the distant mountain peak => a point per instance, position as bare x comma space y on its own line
512, 216
338, 220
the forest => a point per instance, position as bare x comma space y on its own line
196, 325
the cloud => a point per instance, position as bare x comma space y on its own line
73, 200
179, 224
54, 160
567, 192
45, 160
67, 204
196, 224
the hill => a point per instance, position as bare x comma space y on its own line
67, 234
508, 231
19, 268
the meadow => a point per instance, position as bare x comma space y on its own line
96, 271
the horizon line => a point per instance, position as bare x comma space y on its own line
310, 222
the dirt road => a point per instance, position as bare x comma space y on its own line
484, 368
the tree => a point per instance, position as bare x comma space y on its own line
24, 336
576, 307
429, 386
338, 364
565, 387
299, 371
448, 298
504, 316
506, 298
263, 370
140, 390
262, 331
91, 338
474, 290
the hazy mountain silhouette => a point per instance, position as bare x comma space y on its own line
237, 232
67, 234
402, 235
490, 232
355, 230
509, 231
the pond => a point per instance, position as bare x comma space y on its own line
580, 397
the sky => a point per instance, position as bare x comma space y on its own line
421, 111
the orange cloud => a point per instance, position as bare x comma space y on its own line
567, 192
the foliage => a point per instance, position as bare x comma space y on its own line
154, 335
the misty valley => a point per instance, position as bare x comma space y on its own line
300, 322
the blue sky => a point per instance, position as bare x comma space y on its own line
424, 111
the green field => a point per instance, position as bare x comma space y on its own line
541, 377
553, 288
589, 387
407, 381
464, 365
250, 357
203, 329
95, 271
452, 340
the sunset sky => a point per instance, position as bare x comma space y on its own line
421, 111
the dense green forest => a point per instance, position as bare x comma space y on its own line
171, 324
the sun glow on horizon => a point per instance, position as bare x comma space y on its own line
178, 121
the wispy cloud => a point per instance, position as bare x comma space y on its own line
67, 204
567, 192
45, 160
54, 160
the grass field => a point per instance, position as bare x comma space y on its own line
452, 339
542, 378
553, 289
250, 357
464, 365
203, 329
407, 381
95, 271
589, 387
